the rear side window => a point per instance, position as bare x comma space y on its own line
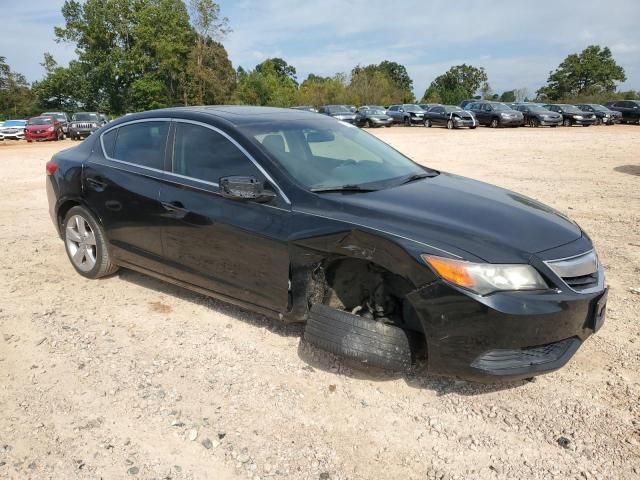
142, 144
205, 154
109, 142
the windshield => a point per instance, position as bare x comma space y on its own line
570, 109
412, 108
374, 111
500, 106
327, 154
85, 117
15, 123
58, 115
40, 121
537, 109
338, 109
600, 108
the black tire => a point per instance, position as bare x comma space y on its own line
450, 125
427, 123
360, 338
567, 122
495, 123
368, 124
598, 121
407, 122
104, 264
473, 127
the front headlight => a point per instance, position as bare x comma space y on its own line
485, 278
578, 117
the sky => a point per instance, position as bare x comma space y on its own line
517, 42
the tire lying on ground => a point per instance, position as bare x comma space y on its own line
360, 338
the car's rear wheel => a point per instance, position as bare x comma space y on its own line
368, 124
535, 123
86, 244
566, 122
495, 123
363, 339
427, 123
450, 124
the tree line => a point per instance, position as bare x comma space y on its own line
135, 55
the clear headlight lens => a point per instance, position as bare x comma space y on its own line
485, 278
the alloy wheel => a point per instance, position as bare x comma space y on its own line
494, 123
81, 243
450, 124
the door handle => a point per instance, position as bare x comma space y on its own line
174, 207
96, 183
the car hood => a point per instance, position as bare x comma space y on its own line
38, 127
458, 215
379, 116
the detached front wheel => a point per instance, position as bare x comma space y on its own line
359, 338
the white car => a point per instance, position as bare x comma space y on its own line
13, 129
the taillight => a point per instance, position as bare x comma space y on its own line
52, 167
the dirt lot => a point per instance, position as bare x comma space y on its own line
131, 377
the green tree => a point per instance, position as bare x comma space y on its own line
119, 42
398, 78
373, 87
63, 88
508, 96
316, 90
458, 83
16, 98
280, 67
266, 86
590, 72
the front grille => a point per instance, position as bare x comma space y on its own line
580, 273
84, 126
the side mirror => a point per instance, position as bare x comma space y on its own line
401, 110
245, 188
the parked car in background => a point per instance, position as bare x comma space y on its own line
341, 112
373, 116
407, 114
630, 110
572, 115
62, 117
13, 129
495, 114
604, 116
84, 124
427, 106
44, 127
306, 108
465, 103
537, 116
450, 116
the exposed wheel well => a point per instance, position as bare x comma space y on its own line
363, 287
63, 209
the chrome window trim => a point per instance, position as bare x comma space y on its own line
239, 147
378, 230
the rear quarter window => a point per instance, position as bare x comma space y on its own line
109, 142
142, 144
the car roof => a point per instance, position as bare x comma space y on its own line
234, 114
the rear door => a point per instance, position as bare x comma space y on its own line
232, 247
121, 184
438, 116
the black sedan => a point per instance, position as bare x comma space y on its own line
604, 116
450, 116
307, 219
572, 115
495, 114
537, 116
371, 116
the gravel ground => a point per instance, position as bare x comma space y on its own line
131, 377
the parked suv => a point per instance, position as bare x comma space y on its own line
572, 115
62, 117
84, 124
44, 127
537, 116
496, 114
408, 114
305, 219
604, 116
340, 112
630, 109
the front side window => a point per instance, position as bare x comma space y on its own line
321, 155
142, 144
204, 154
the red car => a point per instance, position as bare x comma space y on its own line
43, 128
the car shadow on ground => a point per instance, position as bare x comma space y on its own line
315, 358
629, 169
